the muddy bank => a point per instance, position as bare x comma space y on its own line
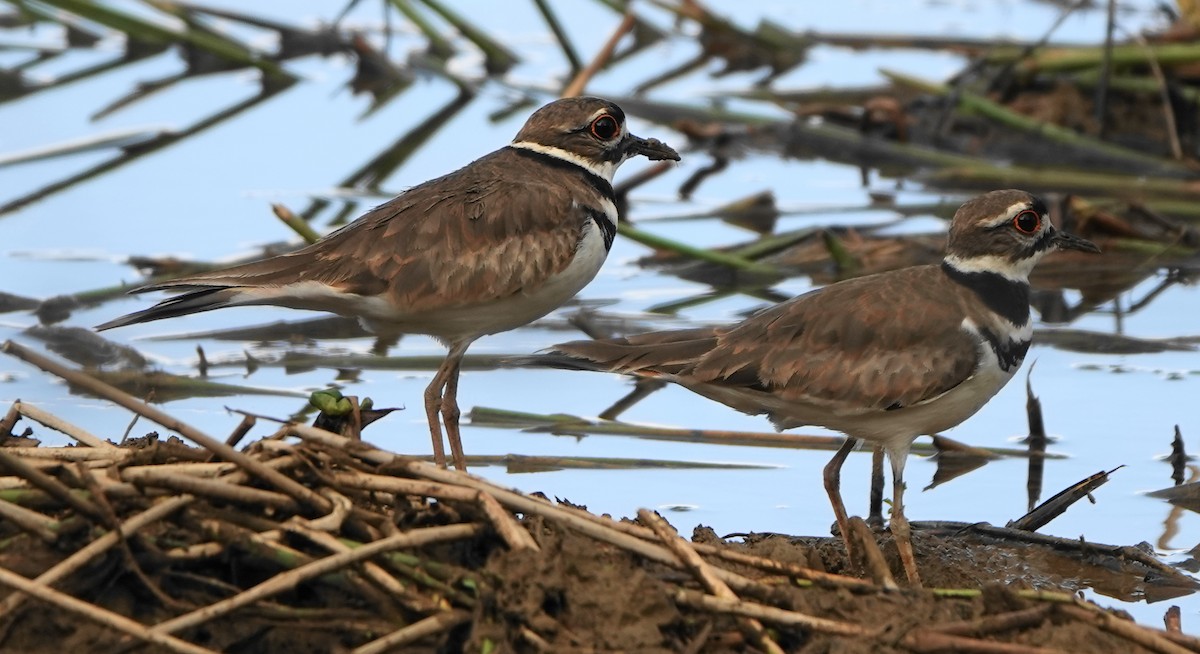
311, 542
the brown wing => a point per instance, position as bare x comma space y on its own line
478, 234
666, 352
881, 342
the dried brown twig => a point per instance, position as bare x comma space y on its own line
704, 573
369, 543
579, 83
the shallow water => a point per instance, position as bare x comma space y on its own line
207, 198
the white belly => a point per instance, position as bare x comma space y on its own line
897, 429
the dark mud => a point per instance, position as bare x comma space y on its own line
576, 593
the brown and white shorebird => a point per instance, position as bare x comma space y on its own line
492, 246
883, 358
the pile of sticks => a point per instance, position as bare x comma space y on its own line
378, 527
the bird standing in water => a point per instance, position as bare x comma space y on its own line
490, 247
883, 358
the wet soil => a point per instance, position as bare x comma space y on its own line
575, 594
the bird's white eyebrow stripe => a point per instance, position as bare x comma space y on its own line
1009, 214
603, 112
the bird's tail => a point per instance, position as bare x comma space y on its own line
204, 299
647, 355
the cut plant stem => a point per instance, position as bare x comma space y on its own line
698, 254
517, 463
1123, 56
564, 424
1001, 114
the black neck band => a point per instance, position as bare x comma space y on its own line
1006, 297
597, 182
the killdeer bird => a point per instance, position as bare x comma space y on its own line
487, 248
884, 358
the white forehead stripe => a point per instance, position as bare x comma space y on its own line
603, 169
604, 112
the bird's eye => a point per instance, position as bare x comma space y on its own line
605, 127
1027, 222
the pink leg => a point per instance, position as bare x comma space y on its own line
450, 412
833, 487
433, 405
900, 528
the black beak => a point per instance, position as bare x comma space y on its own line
652, 149
1065, 241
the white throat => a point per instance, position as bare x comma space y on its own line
1017, 271
603, 169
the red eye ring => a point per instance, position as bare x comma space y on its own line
605, 127
1027, 222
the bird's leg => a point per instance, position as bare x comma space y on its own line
900, 530
433, 405
875, 511
833, 487
450, 412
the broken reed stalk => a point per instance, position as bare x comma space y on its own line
288, 580
50, 485
579, 83
696, 599
238, 433
152, 32
497, 504
1173, 620
1001, 114
97, 614
58, 424
42, 526
698, 254
100, 389
127, 528
1123, 552
295, 223
873, 559
1133, 83
565, 424
638, 540
704, 574
403, 486
439, 45
1063, 180
1042, 514
434, 624
1020, 619
1166, 55
498, 59
1171, 125
1130, 631
606, 530
560, 35
373, 571
783, 569
219, 490
516, 537
928, 640
513, 500
525, 463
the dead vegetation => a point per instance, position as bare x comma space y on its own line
307, 540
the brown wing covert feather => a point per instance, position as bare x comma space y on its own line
860, 344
